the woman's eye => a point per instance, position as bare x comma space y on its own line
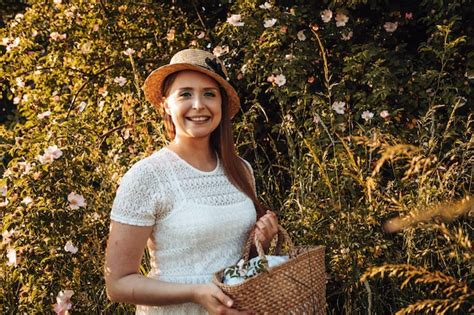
211, 94
185, 94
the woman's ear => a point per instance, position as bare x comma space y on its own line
165, 106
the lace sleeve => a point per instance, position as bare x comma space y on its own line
137, 201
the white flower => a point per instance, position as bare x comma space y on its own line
34, 33
14, 44
234, 19
316, 119
280, 80
69, 247
201, 35
16, 100
5, 41
81, 106
50, 154
20, 82
289, 57
25, 167
219, 51
266, 5
345, 250
57, 1
390, 26
120, 80
326, 15
384, 114
11, 255
56, 36
63, 302
19, 16
76, 201
27, 200
269, 23
367, 115
4, 203
301, 36
341, 19
44, 114
347, 36
339, 107
129, 51
3, 191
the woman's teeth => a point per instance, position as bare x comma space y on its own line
198, 118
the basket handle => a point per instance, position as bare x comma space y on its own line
281, 237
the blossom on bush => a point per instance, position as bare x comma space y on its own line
390, 26
341, 19
129, 51
57, 37
367, 115
326, 15
81, 106
20, 82
339, 107
76, 201
269, 23
27, 200
384, 114
301, 36
3, 191
25, 167
279, 79
201, 35
266, 6
50, 154
347, 36
69, 247
170, 34
220, 50
44, 114
11, 255
408, 15
234, 19
120, 80
289, 57
63, 302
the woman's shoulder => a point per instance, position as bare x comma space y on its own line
153, 165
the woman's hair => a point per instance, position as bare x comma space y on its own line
222, 141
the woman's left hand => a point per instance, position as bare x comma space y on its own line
266, 228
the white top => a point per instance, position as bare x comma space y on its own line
200, 220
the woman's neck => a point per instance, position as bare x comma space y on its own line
197, 152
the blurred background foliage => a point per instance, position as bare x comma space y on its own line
350, 117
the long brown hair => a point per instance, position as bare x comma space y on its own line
222, 141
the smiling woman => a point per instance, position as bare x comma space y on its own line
193, 202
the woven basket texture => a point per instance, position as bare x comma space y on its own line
297, 286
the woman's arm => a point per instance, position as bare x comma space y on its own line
125, 284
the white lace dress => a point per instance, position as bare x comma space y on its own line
200, 220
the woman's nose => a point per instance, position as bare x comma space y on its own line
197, 103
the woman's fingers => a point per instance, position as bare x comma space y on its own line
266, 227
224, 299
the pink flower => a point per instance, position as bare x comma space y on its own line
201, 35
347, 36
69, 247
384, 114
63, 302
6, 236
120, 80
50, 154
234, 20
76, 201
326, 15
408, 15
341, 19
27, 200
367, 115
277, 79
266, 6
56, 36
390, 27
44, 114
339, 107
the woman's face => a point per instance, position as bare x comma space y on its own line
194, 104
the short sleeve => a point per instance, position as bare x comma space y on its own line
137, 199
249, 166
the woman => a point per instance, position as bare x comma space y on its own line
193, 203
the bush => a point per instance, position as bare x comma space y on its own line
350, 117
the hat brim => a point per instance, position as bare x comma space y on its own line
154, 84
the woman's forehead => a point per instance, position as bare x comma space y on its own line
189, 78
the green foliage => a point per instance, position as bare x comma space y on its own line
333, 178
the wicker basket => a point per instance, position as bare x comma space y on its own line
297, 286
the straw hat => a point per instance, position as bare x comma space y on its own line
191, 59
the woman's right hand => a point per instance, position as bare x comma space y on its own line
215, 301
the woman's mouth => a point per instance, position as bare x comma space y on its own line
198, 119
